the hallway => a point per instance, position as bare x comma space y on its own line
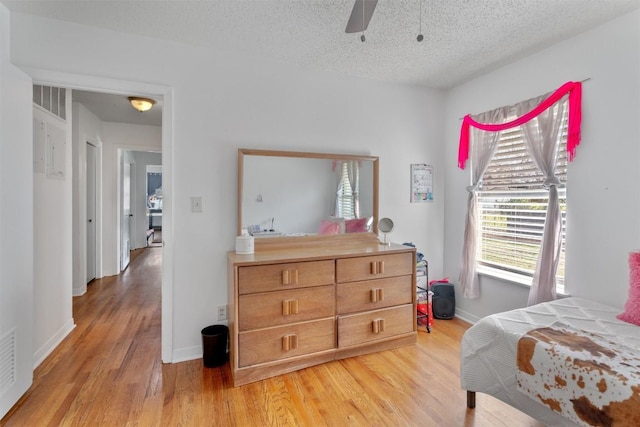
108, 370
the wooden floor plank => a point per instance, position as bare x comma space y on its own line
108, 372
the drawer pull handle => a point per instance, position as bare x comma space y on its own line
290, 277
377, 295
289, 306
377, 326
377, 267
289, 342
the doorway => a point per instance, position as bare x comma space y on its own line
127, 215
144, 212
121, 88
154, 204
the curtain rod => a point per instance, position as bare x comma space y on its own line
581, 81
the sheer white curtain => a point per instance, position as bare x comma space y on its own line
482, 148
542, 138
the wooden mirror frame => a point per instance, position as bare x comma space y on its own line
242, 152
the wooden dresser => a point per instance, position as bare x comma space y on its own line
294, 307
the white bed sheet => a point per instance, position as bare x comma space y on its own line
488, 350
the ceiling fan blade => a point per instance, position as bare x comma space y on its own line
359, 19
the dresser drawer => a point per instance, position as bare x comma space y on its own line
265, 345
375, 325
374, 267
281, 307
273, 277
373, 294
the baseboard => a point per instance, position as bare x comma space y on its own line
77, 292
52, 343
187, 353
466, 316
191, 353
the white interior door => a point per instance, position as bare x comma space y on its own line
126, 216
91, 212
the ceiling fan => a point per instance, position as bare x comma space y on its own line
361, 15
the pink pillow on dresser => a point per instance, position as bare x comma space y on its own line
632, 307
358, 225
329, 227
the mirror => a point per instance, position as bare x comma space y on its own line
297, 194
385, 226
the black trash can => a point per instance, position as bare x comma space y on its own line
214, 345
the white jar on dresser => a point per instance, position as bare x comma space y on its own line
292, 306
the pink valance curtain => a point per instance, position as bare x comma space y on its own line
574, 89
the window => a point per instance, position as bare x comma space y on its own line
346, 198
512, 205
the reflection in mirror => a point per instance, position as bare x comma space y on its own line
385, 226
285, 194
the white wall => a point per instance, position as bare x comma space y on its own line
52, 244
16, 218
223, 102
603, 196
142, 159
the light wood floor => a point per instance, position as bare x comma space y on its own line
108, 372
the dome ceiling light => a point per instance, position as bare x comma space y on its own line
141, 104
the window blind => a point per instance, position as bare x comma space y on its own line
346, 208
512, 207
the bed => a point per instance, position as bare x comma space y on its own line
489, 351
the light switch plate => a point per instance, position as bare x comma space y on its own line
196, 204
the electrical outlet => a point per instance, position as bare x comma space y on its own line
222, 312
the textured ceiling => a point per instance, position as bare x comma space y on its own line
462, 38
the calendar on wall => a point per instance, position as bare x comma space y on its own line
421, 183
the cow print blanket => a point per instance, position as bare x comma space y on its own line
588, 379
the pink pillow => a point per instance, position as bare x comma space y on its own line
632, 308
358, 225
329, 227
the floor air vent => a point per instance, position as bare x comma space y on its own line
7, 360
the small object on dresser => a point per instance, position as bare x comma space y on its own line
244, 244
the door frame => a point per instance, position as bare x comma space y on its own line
83, 249
125, 87
122, 251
